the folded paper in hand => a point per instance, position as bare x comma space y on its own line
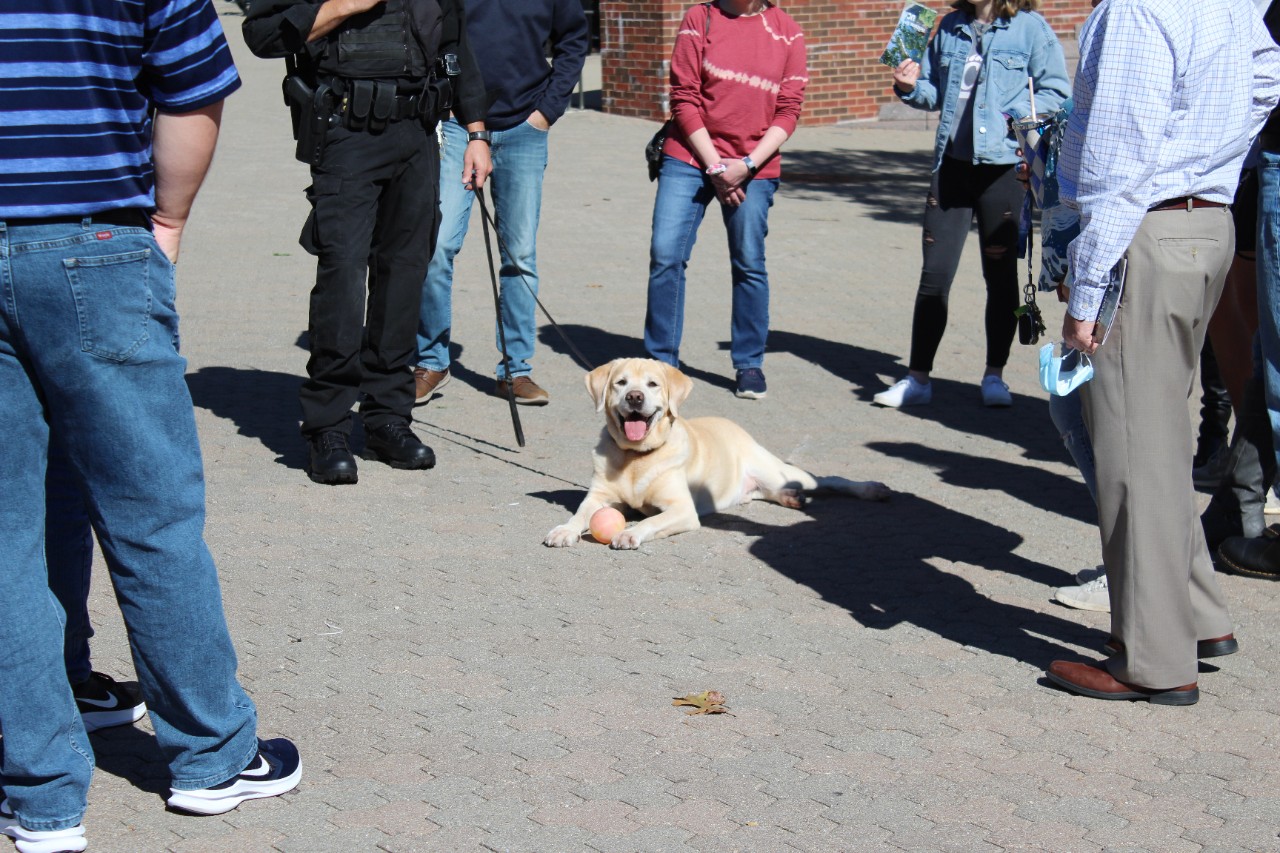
911, 36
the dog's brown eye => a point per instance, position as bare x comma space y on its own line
653, 384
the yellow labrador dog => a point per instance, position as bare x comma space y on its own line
674, 469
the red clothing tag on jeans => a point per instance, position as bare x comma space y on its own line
103, 235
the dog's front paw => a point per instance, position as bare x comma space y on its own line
626, 540
873, 491
562, 537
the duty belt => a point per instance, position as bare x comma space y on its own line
373, 104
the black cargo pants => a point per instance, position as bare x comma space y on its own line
374, 218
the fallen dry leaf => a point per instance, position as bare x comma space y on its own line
706, 702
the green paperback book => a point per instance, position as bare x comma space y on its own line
911, 36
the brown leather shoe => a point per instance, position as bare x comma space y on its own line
426, 382
1092, 680
527, 392
1214, 648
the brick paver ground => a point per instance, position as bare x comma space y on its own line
455, 686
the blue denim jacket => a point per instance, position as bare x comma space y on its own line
1017, 48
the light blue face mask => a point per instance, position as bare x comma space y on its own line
1060, 375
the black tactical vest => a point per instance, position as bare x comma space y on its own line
395, 40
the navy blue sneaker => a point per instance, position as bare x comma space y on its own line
104, 703
276, 769
750, 384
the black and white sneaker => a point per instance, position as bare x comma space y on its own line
750, 384
276, 768
37, 840
104, 703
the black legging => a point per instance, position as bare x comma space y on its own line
959, 190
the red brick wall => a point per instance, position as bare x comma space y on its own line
845, 40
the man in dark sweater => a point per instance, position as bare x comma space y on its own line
528, 96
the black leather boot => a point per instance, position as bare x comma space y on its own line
397, 445
331, 459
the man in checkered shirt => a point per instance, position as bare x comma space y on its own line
1168, 96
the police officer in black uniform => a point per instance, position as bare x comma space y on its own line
367, 82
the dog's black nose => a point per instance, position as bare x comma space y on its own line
635, 398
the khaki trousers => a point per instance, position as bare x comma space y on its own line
1164, 596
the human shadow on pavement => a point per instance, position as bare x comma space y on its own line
892, 184
263, 404
566, 499
870, 559
956, 405
598, 346
1030, 484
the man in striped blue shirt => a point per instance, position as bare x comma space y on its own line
109, 113
1168, 96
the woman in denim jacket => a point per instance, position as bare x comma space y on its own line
975, 72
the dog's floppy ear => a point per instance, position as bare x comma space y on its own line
679, 387
598, 381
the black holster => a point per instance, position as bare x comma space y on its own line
311, 110
439, 94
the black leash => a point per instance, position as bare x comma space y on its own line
497, 307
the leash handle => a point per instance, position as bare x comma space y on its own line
485, 218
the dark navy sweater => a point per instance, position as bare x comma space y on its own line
507, 39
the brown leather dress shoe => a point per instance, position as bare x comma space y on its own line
426, 382
527, 392
1214, 648
1092, 680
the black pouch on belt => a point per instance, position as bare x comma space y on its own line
384, 106
359, 104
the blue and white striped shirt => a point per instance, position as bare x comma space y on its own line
78, 82
1168, 96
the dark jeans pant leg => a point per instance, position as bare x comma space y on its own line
68, 554
958, 192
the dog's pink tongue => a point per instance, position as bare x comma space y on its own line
635, 430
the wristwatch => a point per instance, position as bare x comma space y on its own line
484, 136
752, 168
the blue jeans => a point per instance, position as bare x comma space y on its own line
88, 351
68, 551
1068, 416
683, 195
519, 159
1269, 284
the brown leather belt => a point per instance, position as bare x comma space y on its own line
1186, 202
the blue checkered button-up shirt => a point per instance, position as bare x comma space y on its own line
1168, 96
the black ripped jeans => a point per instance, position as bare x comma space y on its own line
959, 191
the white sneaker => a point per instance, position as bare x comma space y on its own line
1085, 575
995, 393
1089, 596
37, 840
905, 392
